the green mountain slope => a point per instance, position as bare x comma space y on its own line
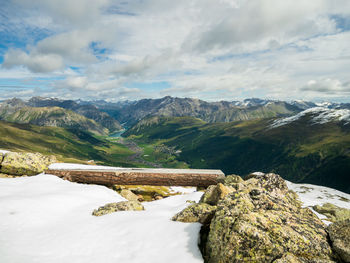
49, 116
301, 151
89, 111
70, 145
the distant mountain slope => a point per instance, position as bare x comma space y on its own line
222, 111
70, 145
302, 150
48, 116
88, 110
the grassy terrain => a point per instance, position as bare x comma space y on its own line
299, 151
51, 116
69, 145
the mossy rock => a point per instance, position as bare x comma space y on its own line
263, 228
339, 233
231, 179
1, 157
18, 163
120, 206
332, 212
214, 193
262, 221
201, 213
127, 194
148, 192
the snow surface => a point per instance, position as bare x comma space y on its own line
73, 166
47, 219
321, 115
312, 195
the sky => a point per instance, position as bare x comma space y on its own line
208, 49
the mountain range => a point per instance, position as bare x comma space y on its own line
58, 113
303, 141
312, 146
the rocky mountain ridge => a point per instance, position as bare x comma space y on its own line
59, 113
19, 112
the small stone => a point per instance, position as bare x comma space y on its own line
127, 194
339, 233
158, 197
120, 206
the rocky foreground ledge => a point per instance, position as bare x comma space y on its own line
24, 163
261, 220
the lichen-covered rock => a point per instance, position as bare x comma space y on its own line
288, 258
201, 213
339, 233
332, 212
120, 206
214, 193
1, 157
127, 194
231, 180
273, 183
147, 192
263, 222
21, 163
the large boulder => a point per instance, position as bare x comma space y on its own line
258, 220
339, 233
332, 212
119, 206
21, 163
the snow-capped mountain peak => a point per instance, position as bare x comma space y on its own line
320, 115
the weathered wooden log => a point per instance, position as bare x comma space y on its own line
140, 176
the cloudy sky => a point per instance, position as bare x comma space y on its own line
208, 49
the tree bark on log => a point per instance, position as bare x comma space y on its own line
132, 176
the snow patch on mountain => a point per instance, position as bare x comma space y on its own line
320, 115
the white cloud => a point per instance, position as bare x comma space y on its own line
33, 61
328, 86
228, 49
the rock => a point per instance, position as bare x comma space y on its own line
257, 220
127, 194
214, 193
147, 192
120, 206
332, 212
263, 222
158, 197
18, 163
201, 213
1, 157
230, 180
287, 258
339, 233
